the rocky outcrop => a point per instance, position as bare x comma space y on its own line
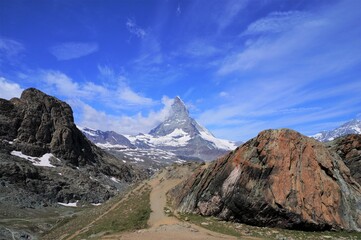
349, 149
38, 124
41, 124
280, 178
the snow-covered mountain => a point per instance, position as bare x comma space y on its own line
351, 127
183, 136
106, 139
178, 138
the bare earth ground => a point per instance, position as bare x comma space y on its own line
163, 226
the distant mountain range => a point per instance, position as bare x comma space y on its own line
179, 135
351, 127
106, 139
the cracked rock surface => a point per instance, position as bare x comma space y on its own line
279, 178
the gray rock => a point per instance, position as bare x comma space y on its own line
37, 124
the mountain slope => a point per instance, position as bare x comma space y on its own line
351, 127
280, 178
182, 135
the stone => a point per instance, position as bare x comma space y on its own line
278, 179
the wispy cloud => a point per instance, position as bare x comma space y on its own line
277, 22
134, 29
199, 48
10, 49
229, 12
73, 50
179, 10
295, 78
9, 89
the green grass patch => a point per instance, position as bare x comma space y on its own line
132, 214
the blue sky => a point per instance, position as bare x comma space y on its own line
241, 66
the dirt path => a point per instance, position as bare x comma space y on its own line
162, 226
158, 201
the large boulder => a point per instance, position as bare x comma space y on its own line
279, 179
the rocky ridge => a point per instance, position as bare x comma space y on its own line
281, 179
45, 159
106, 139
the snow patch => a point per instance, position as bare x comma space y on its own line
109, 145
115, 179
43, 161
96, 204
177, 138
88, 131
138, 159
68, 204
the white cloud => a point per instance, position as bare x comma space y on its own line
9, 89
223, 94
72, 50
133, 28
119, 95
90, 117
62, 84
132, 97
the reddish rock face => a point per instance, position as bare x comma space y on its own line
280, 178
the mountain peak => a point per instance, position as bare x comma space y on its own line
178, 110
189, 138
